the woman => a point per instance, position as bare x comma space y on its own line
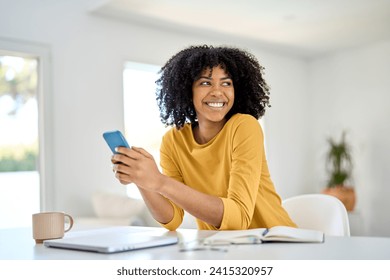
213, 158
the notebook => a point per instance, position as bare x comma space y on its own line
262, 235
113, 240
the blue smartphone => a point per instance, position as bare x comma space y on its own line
115, 139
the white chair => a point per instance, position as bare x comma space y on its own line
319, 212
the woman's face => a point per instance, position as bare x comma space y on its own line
213, 95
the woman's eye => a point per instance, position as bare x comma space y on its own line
205, 83
227, 84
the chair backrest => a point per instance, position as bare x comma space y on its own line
320, 212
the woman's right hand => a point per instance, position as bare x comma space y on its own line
119, 167
137, 166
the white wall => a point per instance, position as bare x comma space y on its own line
351, 90
88, 52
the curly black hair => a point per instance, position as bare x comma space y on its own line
174, 87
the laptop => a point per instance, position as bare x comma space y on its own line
113, 240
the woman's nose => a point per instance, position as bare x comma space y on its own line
216, 90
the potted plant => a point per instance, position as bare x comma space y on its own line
339, 169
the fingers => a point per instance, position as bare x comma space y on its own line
123, 158
142, 152
121, 175
120, 168
120, 159
133, 152
125, 155
131, 165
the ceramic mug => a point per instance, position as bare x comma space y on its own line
50, 225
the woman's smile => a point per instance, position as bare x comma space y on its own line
215, 104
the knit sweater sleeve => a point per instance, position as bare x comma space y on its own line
172, 170
247, 158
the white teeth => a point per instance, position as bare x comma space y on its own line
216, 104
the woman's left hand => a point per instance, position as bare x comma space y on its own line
137, 166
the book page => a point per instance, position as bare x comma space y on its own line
284, 233
224, 237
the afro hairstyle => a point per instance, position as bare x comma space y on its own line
174, 86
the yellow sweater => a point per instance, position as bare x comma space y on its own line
231, 166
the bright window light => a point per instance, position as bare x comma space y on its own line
143, 127
19, 151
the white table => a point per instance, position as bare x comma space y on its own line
18, 244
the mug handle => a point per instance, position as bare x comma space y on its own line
70, 222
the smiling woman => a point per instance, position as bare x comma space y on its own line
213, 163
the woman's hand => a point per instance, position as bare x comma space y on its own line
137, 166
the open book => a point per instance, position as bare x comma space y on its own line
260, 235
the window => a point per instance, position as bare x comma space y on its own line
143, 127
23, 151
19, 176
